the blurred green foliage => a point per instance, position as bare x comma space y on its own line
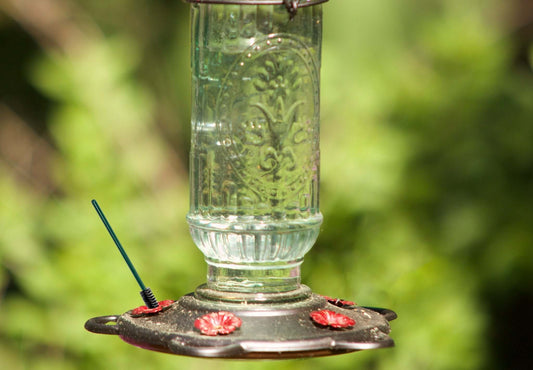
427, 178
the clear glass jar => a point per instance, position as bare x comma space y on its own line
254, 162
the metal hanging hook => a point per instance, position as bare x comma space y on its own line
292, 6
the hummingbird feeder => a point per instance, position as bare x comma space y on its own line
254, 209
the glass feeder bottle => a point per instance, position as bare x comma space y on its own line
254, 161
254, 209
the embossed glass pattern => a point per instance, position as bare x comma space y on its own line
254, 167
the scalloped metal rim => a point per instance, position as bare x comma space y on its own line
276, 350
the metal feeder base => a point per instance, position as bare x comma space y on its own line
268, 330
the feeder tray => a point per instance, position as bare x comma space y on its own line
268, 331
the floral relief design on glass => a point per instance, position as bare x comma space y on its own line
268, 126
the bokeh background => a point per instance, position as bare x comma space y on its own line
426, 187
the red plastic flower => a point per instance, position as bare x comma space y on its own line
332, 319
143, 310
339, 302
217, 323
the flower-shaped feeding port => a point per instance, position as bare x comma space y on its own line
218, 323
340, 302
332, 319
144, 310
